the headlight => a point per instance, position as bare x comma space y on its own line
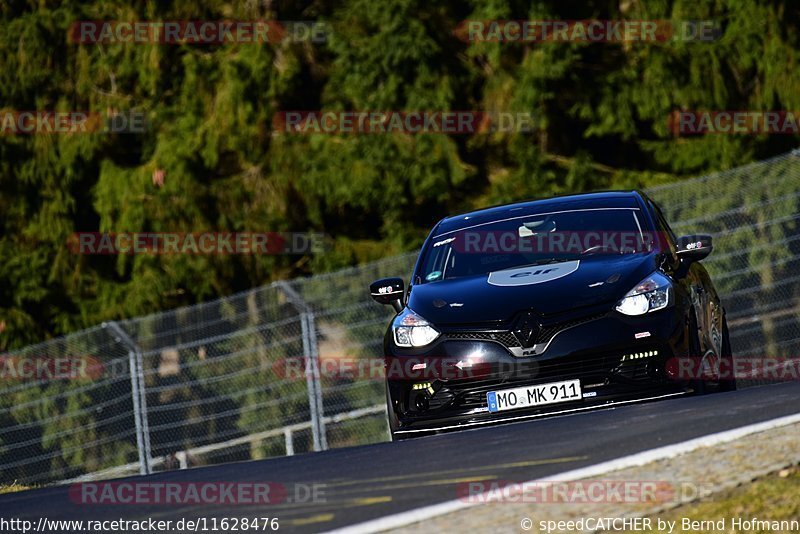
411, 330
651, 294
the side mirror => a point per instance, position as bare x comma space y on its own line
694, 247
388, 291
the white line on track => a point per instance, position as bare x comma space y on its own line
662, 453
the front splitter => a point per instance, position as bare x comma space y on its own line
501, 420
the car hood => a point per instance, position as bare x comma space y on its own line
546, 289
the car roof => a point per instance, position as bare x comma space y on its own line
601, 199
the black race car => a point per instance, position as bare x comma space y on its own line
550, 306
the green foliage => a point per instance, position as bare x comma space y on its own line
601, 115
600, 110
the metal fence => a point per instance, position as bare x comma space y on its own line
753, 213
227, 380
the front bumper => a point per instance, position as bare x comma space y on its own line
616, 358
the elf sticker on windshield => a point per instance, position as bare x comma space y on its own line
535, 274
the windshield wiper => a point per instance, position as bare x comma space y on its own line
547, 261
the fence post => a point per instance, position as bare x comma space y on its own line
289, 441
311, 350
137, 395
316, 382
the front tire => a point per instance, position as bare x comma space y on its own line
699, 384
724, 375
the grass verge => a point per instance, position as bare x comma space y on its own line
772, 498
11, 488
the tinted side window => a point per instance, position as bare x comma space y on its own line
663, 226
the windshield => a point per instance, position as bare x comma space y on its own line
533, 239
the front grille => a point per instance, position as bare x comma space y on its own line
589, 369
505, 338
470, 393
509, 340
634, 370
548, 331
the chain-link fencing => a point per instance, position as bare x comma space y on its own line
753, 213
296, 366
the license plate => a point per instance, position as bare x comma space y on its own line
527, 396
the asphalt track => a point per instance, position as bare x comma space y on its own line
368, 482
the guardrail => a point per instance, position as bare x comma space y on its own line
181, 459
